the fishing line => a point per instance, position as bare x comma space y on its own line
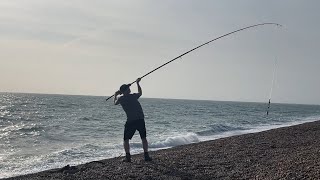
262, 24
273, 80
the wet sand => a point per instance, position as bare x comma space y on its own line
284, 153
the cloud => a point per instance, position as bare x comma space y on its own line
138, 36
52, 21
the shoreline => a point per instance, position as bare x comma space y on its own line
290, 152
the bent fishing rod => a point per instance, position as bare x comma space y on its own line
248, 27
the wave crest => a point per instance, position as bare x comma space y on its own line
219, 128
176, 141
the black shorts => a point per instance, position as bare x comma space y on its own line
131, 127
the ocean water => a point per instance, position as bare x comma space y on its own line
40, 132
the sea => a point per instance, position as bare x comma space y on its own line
40, 132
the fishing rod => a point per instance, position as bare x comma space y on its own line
272, 84
201, 46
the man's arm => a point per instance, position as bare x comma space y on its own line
139, 87
115, 100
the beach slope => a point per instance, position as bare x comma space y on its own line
284, 153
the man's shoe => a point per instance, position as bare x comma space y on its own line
127, 158
147, 157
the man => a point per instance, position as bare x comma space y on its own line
135, 118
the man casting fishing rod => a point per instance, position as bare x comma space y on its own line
135, 118
133, 109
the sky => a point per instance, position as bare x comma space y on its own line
92, 47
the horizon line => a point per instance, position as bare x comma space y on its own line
61, 94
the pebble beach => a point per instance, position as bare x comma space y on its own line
284, 153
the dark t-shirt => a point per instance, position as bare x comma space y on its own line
131, 106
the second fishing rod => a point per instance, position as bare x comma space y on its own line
262, 24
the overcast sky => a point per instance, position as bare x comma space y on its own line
92, 47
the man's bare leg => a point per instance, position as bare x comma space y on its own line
126, 146
145, 149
